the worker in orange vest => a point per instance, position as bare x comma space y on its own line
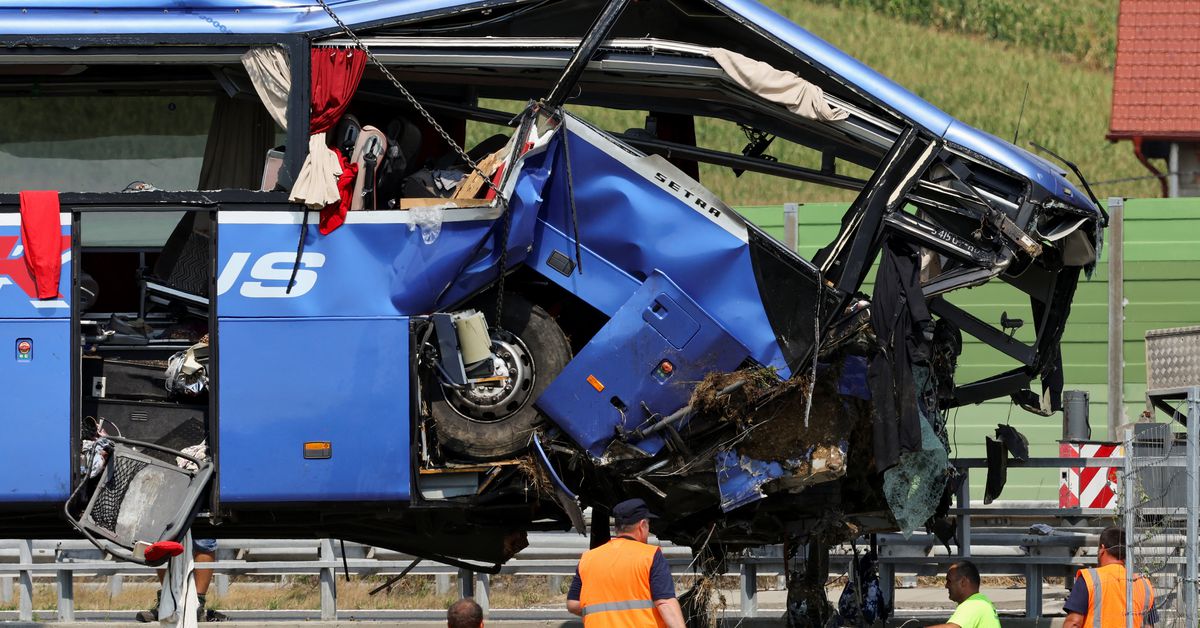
1098, 598
625, 583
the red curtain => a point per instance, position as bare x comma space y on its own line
334, 214
41, 235
335, 77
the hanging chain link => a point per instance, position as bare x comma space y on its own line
428, 117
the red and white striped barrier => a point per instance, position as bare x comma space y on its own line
1089, 487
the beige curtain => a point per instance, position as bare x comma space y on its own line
316, 185
270, 72
239, 137
778, 86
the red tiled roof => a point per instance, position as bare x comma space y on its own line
1156, 84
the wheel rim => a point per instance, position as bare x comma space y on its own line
493, 403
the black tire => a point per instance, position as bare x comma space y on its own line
508, 432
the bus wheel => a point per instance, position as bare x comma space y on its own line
492, 422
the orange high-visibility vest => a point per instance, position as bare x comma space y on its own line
1106, 597
615, 591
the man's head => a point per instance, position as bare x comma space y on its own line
1112, 545
632, 518
962, 580
464, 613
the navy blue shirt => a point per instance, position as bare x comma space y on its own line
1078, 601
662, 586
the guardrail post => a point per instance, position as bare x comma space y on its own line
66, 591
555, 585
116, 583
749, 585
328, 583
6, 588
221, 579
887, 579
1033, 591
482, 590
466, 583
221, 582
441, 583
25, 581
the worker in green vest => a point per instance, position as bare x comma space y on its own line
974, 610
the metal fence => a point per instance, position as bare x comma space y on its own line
997, 538
554, 555
1159, 504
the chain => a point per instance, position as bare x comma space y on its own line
428, 117
358, 43
507, 218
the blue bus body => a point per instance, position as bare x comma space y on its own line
620, 294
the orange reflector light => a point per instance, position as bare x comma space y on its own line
591, 379
318, 450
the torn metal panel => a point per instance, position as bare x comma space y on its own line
684, 231
667, 342
741, 478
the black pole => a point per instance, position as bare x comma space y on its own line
583, 54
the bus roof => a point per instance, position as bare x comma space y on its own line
211, 20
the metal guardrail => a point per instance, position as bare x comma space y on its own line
1005, 550
549, 554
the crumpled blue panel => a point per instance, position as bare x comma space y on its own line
740, 478
627, 219
371, 269
853, 382
420, 272
377, 269
525, 204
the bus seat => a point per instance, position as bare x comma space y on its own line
181, 274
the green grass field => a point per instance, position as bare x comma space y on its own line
981, 82
1085, 30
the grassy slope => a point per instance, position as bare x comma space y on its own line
981, 82
1085, 30
976, 80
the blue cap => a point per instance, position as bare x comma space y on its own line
631, 511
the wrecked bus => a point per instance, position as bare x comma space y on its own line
279, 293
